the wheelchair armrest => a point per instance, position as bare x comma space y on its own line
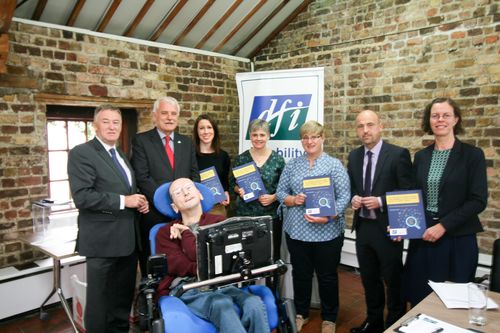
278, 267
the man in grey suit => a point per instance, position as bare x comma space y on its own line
103, 188
375, 168
153, 166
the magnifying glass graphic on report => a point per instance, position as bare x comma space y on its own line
412, 222
215, 191
323, 202
254, 186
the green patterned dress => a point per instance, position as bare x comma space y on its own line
270, 172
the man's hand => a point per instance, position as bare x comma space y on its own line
370, 202
176, 230
138, 201
267, 199
356, 202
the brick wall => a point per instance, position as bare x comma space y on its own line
394, 57
45, 63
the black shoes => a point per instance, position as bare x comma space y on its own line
368, 327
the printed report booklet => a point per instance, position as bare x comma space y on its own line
210, 179
320, 199
248, 178
406, 214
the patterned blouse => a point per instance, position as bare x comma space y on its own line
270, 172
436, 169
295, 225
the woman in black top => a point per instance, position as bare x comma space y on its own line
452, 177
209, 153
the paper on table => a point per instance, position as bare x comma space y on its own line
455, 295
423, 323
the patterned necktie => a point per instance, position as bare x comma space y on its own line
118, 165
169, 151
368, 181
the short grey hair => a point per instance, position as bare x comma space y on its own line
105, 107
259, 124
168, 100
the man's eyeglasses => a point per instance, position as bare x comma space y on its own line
312, 138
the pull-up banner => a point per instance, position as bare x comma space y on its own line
286, 99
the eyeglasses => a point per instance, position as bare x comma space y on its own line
312, 138
178, 191
445, 116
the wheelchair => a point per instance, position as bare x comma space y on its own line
169, 314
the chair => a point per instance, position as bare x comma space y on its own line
495, 267
176, 315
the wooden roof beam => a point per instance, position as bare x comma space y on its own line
240, 25
75, 12
219, 23
260, 26
109, 14
8, 7
144, 10
40, 6
195, 20
159, 30
276, 31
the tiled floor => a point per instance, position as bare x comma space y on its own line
352, 312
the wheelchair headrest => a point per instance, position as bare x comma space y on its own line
162, 200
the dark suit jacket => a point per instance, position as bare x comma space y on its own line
96, 185
392, 173
463, 192
151, 165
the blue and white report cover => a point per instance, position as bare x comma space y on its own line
320, 199
406, 214
248, 177
210, 179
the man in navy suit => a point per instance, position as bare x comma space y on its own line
103, 188
375, 168
153, 166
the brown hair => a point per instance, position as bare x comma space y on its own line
215, 141
426, 120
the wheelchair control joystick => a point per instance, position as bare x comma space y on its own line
243, 265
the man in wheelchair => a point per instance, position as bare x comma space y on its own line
177, 240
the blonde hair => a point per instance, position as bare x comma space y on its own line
311, 127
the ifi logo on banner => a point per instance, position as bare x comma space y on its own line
285, 114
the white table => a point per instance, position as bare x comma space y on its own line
58, 244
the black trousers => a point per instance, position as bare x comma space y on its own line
380, 261
110, 293
321, 258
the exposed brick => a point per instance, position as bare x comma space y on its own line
75, 68
54, 76
469, 92
8, 129
118, 54
22, 108
98, 90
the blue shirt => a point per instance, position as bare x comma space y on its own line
295, 225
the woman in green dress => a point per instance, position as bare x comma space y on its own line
270, 165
